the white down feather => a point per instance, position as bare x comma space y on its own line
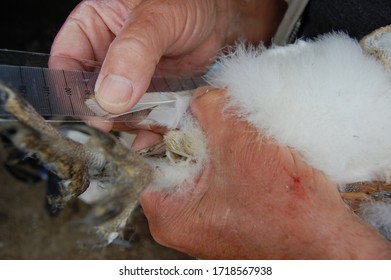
327, 99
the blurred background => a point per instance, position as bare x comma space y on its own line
31, 25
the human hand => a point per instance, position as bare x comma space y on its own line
255, 199
133, 37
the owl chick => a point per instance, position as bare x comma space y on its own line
328, 99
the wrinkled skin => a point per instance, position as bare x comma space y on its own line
135, 39
254, 199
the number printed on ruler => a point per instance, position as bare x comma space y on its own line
54, 92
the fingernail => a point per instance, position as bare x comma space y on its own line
202, 91
114, 93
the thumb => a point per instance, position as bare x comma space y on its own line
208, 105
132, 58
126, 73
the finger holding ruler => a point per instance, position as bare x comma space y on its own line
65, 93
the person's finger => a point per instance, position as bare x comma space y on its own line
208, 103
90, 29
154, 29
99, 123
146, 139
175, 208
84, 39
130, 61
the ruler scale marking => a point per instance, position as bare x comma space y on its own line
22, 87
89, 79
46, 91
174, 85
61, 94
60, 104
32, 78
69, 91
10, 75
54, 92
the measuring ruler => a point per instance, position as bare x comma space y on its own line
64, 93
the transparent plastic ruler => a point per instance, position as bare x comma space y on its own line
63, 93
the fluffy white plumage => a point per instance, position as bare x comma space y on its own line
186, 155
378, 215
327, 99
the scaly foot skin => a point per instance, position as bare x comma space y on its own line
67, 158
103, 159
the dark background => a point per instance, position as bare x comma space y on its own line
26, 230
31, 25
